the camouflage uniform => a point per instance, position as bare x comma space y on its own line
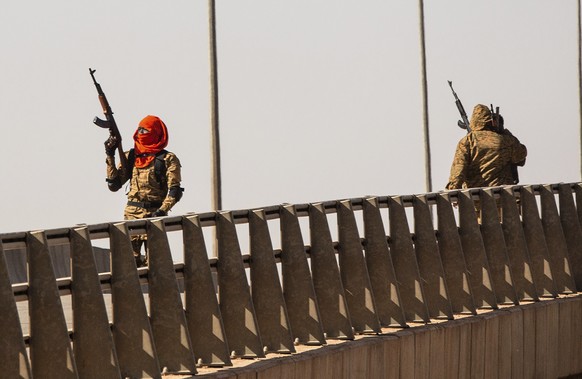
484, 157
146, 194
154, 175
144, 187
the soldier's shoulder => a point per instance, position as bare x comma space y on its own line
486, 135
167, 154
171, 157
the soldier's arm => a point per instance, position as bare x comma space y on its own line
518, 151
115, 177
520, 155
460, 166
174, 179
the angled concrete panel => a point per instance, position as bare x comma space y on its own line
298, 286
380, 267
51, 353
93, 346
14, 362
454, 264
132, 331
405, 263
202, 310
474, 251
518, 254
578, 192
429, 261
236, 306
326, 277
495, 248
167, 316
572, 232
354, 273
267, 294
556, 242
536, 244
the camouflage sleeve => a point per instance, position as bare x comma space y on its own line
115, 177
518, 151
174, 178
111, 169
460, 165
520, 154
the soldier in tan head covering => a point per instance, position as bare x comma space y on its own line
485, 156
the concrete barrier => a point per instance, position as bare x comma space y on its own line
471, 283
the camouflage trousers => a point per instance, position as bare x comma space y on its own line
137, 242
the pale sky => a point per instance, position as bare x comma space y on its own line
319, 100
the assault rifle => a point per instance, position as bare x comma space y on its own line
109, 122
464, 122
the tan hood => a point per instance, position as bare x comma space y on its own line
481, 118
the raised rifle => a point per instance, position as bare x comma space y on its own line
464, 122
109, 122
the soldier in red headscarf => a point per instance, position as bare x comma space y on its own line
153, 173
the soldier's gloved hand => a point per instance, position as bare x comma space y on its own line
110, 145
158, 213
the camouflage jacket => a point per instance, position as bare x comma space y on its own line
484, 157
144, 186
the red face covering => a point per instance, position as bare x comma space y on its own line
148, 144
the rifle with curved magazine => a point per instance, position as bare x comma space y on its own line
109, 122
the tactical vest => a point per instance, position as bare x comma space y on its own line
159, 164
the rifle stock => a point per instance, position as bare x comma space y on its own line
109, 122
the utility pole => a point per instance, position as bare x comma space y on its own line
215, 136
580, 80
427, 161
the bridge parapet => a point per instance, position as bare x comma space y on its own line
390, 263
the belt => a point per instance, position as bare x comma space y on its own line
145, 204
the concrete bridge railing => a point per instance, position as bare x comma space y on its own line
397, 261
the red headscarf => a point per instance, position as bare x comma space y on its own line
149, 144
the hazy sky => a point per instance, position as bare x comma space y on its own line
319, 100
